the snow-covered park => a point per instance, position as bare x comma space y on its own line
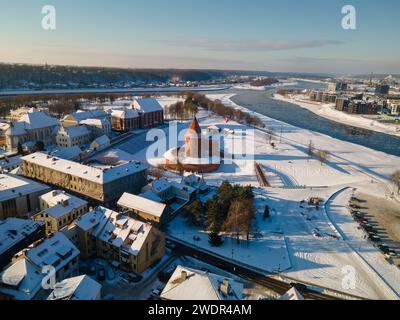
315, 246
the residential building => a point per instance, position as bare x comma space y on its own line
339, 86
127, 243
59, 209
19, 197
17, 234
196, 182
342, 104
78, 288
362, 107
98, 127
23, 279
394, 105
125, 119
32, 127
148, 210
73, 136
191, 284
151, 112
8, 164
103, 183
17, 114
172, 191
100, 143
73, 153
382, 89
76, 118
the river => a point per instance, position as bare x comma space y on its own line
263, 103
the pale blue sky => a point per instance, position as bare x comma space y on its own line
284, 35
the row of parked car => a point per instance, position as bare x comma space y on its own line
370, 230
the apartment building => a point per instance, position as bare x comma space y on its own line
19, 197
127, 243
59, 209
23, 279
73, 136
100, 183
17, 234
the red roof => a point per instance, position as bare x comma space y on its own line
194, 126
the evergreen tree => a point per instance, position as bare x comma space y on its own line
195, 213
215, 239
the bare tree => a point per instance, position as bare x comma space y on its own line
395, 178
322, 156
240, 219
310, 150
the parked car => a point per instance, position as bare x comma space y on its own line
128, 278
375, 239
101, 274
384, 248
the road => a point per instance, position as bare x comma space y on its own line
275, 285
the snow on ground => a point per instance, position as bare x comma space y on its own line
328, 111
339, 212
266, 252
308, 244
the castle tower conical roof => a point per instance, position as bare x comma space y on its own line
194, 126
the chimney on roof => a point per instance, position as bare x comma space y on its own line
224, 287
183, 275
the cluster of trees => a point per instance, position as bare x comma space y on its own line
49, 76
220, 109
321, 155
264, 82
183, 109
229, 212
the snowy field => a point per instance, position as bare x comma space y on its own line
314, 246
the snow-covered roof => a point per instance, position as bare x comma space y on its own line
190, 284
16, 129
95, 219
61, 203
84, 115
96, 122
13, 186
142, 204
23, 280
4, 126
161, 185
116, 229
69, 153
125, 232
125, 113
12, 161
194, 181
14, 230
103, 140
36, 119
149, 194
147, 105
97, 175
57, 251
74, 132
292, 294
77, 288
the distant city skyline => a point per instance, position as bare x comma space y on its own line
284, 36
